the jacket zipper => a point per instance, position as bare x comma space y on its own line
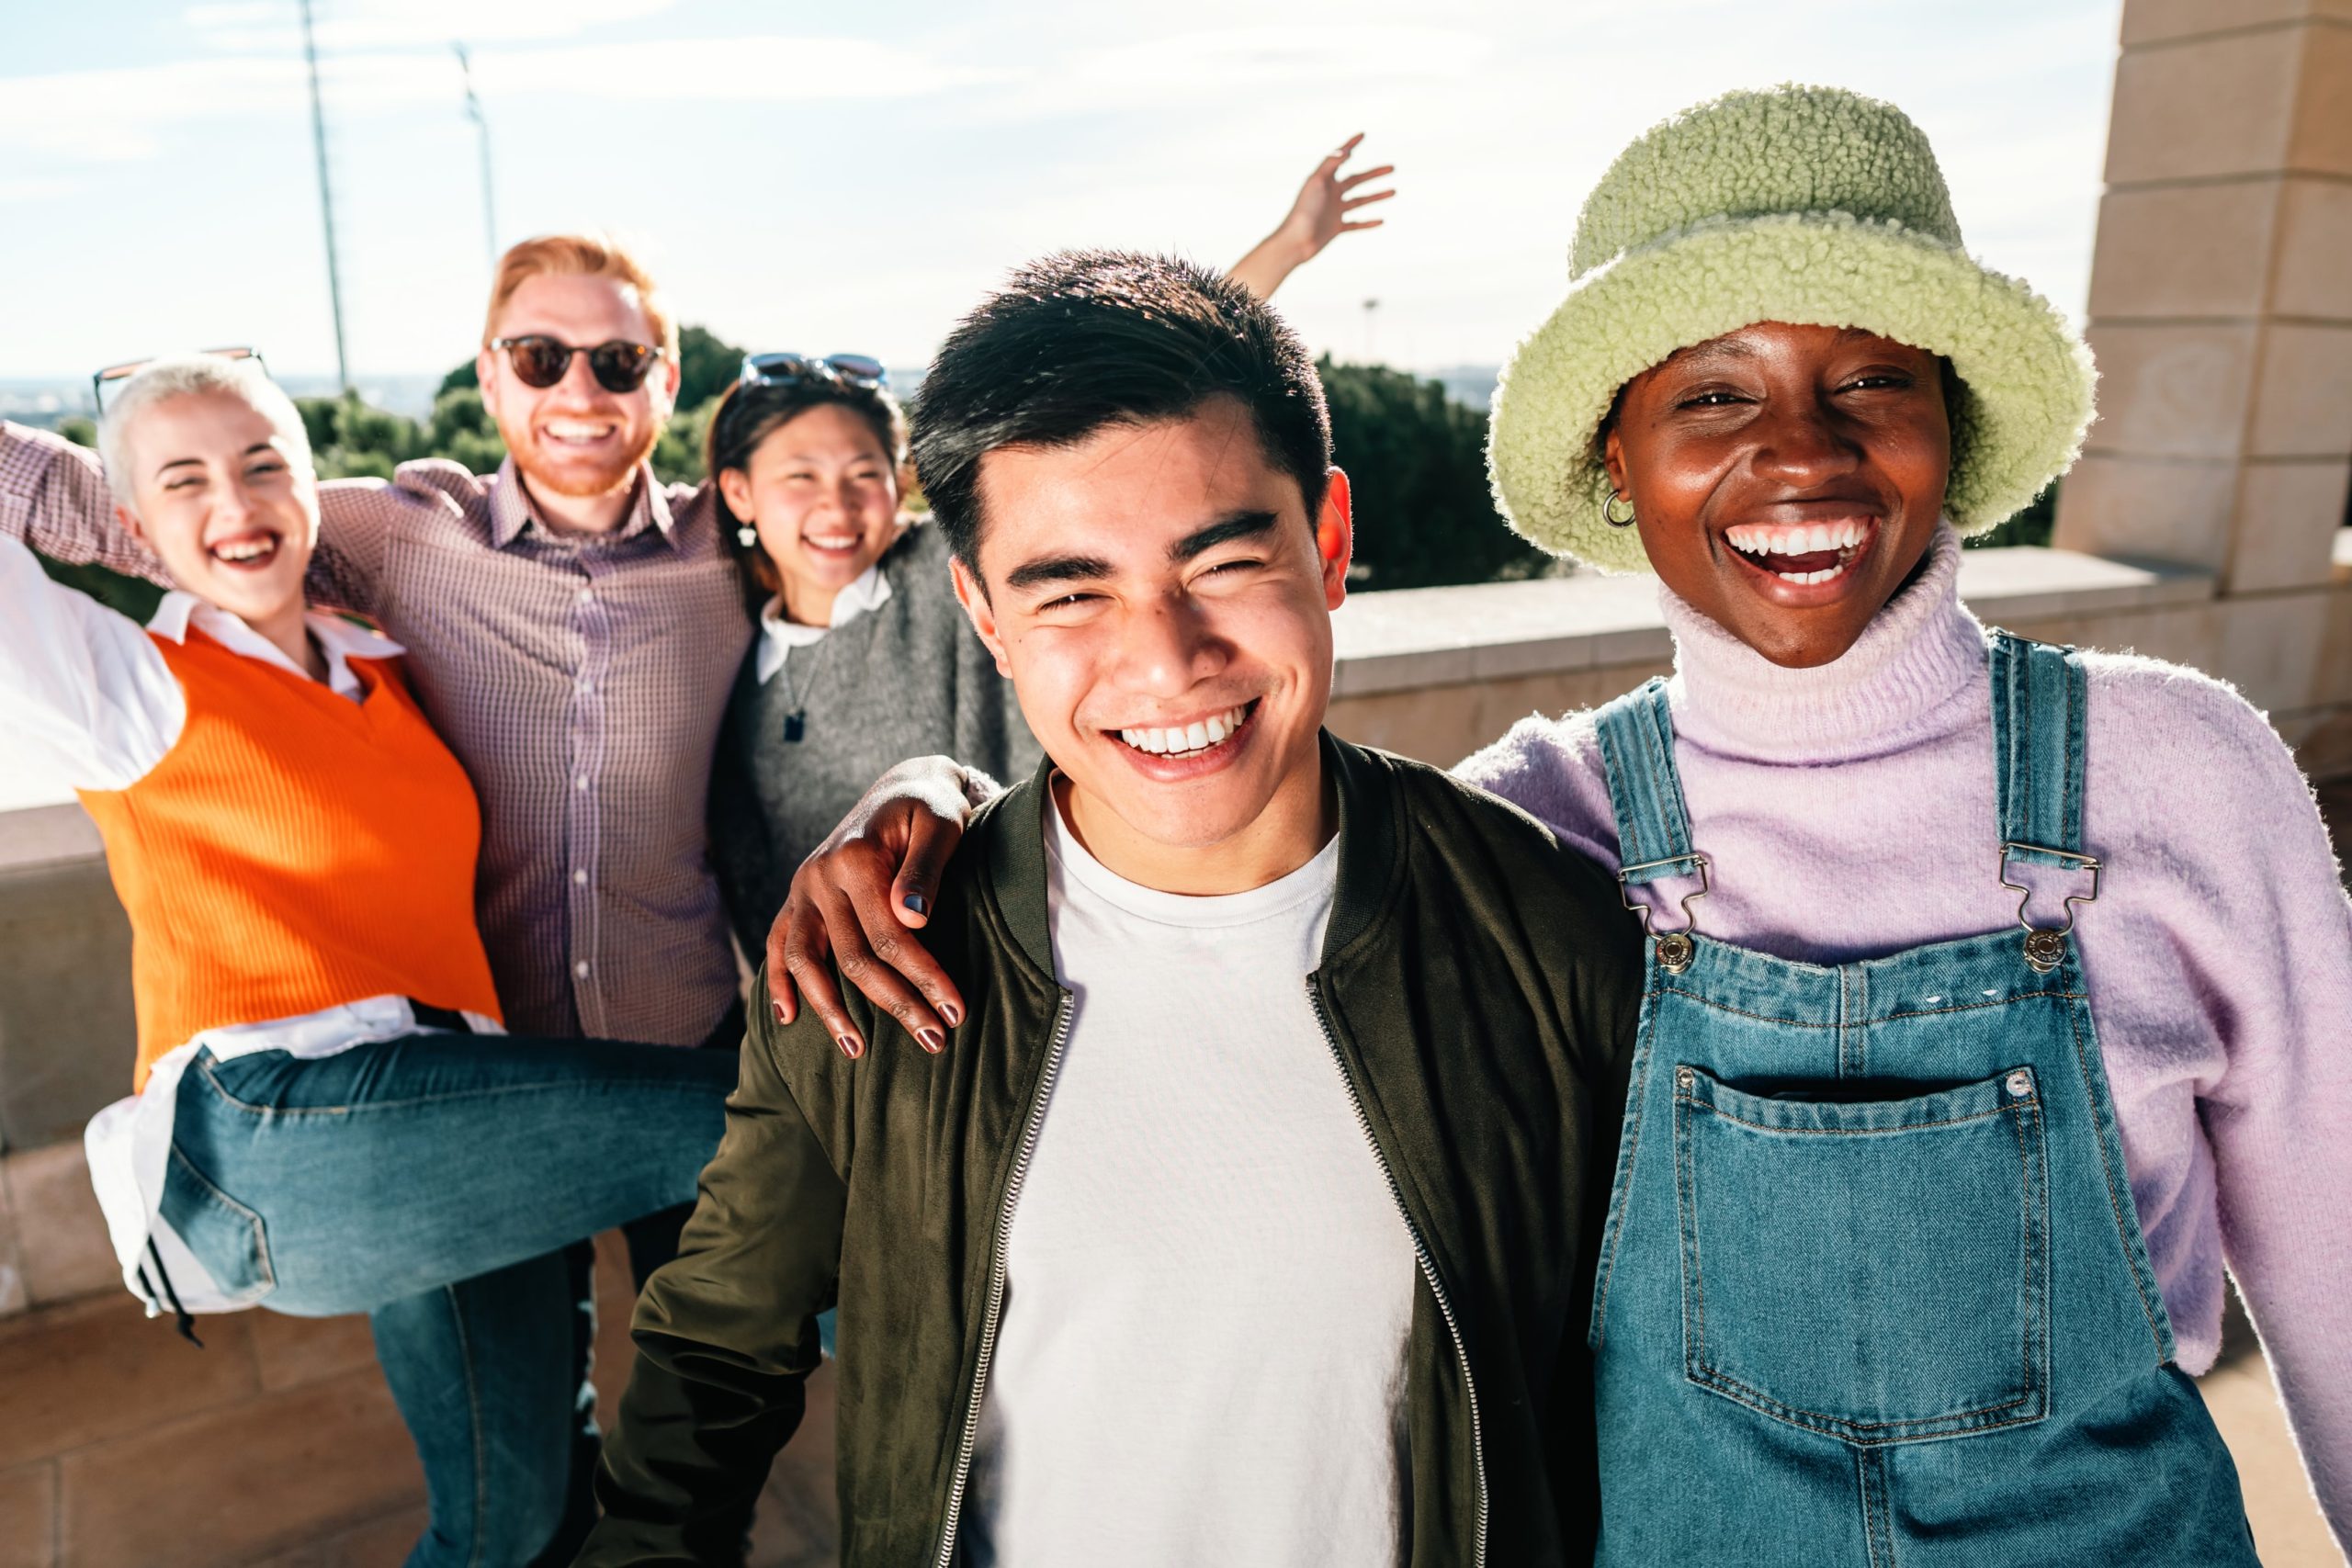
1422, 1254
996, 1261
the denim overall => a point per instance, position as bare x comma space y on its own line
1871, 1290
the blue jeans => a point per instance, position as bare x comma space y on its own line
433, 1181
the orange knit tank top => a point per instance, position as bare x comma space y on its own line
293, 851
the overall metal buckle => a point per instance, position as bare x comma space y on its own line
2045, 948
1675, 949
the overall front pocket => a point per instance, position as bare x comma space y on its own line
1876, 1270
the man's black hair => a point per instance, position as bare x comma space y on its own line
1084, 339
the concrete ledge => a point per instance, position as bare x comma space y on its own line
1415, 637
37, 838
67, 1035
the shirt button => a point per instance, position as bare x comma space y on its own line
580, 876
586, 687
581, 969
579, 783
587, 596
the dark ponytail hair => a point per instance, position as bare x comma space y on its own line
747, 414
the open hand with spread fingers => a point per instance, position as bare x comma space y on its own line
1328, 206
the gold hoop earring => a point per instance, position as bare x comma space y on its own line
1609, 512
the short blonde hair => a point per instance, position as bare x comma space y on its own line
193, 375
579, 256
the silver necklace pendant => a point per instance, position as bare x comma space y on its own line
795, 725
2044, 950
1675, 951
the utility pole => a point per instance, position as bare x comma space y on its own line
473, 112
327, 200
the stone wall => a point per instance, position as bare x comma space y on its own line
2221, 313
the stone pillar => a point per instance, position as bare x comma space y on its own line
2221, 304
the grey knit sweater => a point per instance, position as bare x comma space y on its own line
903, 680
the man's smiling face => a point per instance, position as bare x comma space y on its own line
575, 438
1157, 594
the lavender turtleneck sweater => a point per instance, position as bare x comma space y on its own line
1849, 813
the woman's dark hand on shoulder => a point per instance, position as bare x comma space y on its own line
860, 896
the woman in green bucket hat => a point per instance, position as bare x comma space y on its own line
2014, 1008
1997, 991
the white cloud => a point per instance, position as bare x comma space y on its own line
38, 188
123, 113
1250, 58
350, 24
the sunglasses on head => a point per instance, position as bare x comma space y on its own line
787, 369
109, 381
540, 361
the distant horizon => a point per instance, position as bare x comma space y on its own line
411, 392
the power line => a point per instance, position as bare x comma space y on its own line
473, 112
326, 199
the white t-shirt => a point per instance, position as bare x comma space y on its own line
1209, 1288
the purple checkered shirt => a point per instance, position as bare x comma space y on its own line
580, 680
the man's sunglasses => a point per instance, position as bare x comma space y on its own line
618, 367
109, 381
791, 369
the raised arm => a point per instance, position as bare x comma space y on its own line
727, 1334
1322, 214
53, 496
359, 518
86, 700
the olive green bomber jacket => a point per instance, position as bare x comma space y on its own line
1481, 986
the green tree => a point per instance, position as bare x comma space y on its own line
1417, 461
707, 365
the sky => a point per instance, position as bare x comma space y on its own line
853, 177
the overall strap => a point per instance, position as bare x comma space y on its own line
1646, 795
1645, 792
2038, 703
2039, 696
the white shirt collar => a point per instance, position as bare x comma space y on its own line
779, 637
339, 640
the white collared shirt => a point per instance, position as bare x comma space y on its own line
779, 637
86, 701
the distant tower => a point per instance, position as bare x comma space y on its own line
1371, 315
473, 112
326, 201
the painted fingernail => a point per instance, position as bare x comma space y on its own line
932, 1040
914, 901
778, 1009
849, 1047
952, 1013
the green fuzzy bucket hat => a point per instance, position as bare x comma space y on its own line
1813, 206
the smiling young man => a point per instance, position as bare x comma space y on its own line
1247, 1218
